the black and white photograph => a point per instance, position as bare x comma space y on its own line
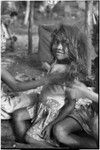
49, 74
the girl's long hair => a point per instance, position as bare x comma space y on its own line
77, 46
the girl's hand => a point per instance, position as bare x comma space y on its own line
46, 66
58, 68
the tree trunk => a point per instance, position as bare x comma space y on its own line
30, 28
88, 29
27, 13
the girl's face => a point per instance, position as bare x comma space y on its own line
60, 46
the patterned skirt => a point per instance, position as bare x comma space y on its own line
47, 112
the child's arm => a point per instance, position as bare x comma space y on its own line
91, 95
20, 86
46, 66
58, 68
83, 92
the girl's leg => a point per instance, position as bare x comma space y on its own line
20, 123
63, 131
41, 144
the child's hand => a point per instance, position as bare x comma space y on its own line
58, 68
46, 66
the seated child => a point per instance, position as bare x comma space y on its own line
61, 64
53, 97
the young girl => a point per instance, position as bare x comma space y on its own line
54, 103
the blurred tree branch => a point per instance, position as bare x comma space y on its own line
31, 13
27, 13
88, 30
